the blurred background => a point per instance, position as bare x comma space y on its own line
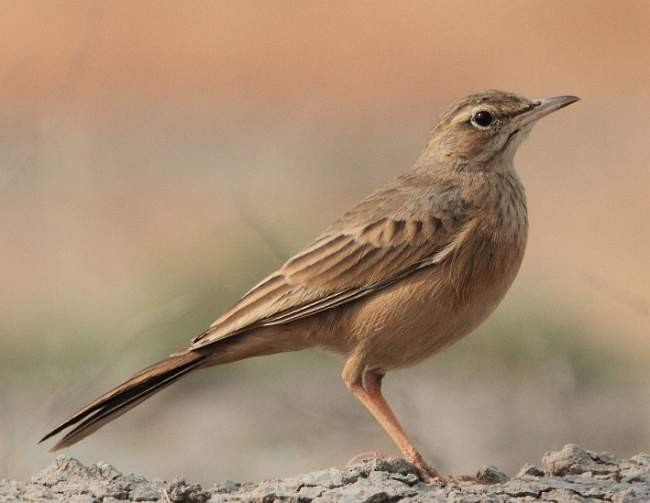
158, 158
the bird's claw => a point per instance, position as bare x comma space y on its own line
428, 474
368, 456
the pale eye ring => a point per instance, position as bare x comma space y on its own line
482, 119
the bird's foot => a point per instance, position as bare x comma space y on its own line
368, 456
428, 474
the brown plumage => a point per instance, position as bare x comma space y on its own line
406, 272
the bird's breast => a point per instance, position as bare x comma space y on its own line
488, 260
437, 306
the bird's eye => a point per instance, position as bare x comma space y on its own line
482, 119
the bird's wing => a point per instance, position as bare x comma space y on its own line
377, 243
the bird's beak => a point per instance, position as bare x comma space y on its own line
542, 107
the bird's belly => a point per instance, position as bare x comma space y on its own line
428, 311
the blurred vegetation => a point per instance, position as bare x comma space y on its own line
520, 339
521, 350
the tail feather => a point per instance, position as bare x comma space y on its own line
124, 397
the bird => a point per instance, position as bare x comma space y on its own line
409, 270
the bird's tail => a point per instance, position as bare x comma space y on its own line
124, 397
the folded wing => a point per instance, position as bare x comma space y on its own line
363, 252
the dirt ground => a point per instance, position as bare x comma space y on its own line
570, 475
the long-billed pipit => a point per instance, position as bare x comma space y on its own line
409, 270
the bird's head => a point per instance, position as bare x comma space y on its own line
483, 131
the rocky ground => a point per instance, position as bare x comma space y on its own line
570, 475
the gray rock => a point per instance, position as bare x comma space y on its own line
144, 492
573, 460
570, 475
530, 470
180, 491
491, 475
225, 487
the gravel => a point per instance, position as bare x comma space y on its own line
570, 475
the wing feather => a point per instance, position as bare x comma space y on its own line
360, 254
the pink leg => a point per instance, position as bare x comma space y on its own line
368, 391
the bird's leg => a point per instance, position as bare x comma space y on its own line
367, 389
386, 417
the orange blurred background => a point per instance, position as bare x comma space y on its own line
158, 158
